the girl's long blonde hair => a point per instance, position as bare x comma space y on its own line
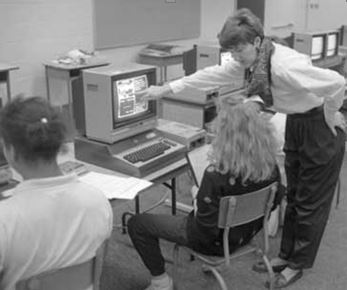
244, 143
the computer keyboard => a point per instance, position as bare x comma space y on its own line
148, 152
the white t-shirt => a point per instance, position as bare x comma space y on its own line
50, 223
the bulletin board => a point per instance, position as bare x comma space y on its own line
129, 22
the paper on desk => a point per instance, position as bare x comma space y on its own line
114, 186
7, 192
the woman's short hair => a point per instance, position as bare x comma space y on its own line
241, 28
34, 128
244, 143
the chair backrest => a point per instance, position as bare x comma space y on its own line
77, 277
240, 209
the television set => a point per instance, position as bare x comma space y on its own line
114, 109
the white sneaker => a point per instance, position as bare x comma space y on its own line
162, 284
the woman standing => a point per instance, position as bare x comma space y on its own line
314, 137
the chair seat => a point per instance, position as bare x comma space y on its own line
73, 277
217, 260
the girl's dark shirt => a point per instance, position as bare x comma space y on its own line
203, 233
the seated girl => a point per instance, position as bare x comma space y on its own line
242, 159
52, 220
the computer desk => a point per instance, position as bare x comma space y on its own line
165, 176
162, 61
5, 77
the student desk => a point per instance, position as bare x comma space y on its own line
65, 80
5, 77
162, 61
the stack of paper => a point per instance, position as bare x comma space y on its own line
114, 186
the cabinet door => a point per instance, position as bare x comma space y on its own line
326, 15
282, 17
257, 7
279, 17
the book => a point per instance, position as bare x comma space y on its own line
198, 162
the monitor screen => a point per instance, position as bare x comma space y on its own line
332, 44
317, 49
128, 105
225, 56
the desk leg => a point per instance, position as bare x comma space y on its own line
137, 204
47, 84
173, 196
161, 75
8, 83
70, 99
164, 74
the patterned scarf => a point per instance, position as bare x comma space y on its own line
258, 79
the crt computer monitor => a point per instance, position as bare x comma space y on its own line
317, 46
225, 57
113, 109
204, 54
332, 44
310, 43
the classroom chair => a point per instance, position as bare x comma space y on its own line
85, 276
234, 211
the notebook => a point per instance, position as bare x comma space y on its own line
198, 162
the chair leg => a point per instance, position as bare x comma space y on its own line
338, 189
218, 277
124, 221
175, 266
269, 270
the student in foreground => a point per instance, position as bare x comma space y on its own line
51, 220
242, 159
314, 138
